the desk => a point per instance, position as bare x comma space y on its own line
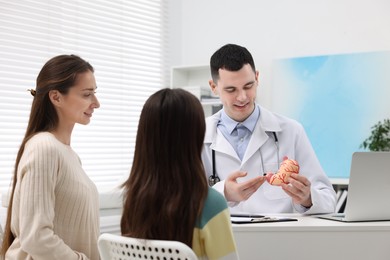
313, 238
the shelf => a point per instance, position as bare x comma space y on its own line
184, 76
339, 181
195, 79
214, 103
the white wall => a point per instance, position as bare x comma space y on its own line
273, 29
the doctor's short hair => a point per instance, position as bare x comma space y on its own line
231, 57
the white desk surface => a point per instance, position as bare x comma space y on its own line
311, 223
306, 239
313, 238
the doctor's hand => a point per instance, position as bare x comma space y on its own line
299, 190
236, 192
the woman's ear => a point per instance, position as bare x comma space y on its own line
55, 97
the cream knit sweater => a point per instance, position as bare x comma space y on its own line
55, 213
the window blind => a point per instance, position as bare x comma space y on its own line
125, 43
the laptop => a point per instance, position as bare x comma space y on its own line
368, 189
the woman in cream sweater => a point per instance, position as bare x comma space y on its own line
53, 211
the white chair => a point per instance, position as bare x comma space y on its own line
115, 247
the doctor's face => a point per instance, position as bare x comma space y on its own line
237, 91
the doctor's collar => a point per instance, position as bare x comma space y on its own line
231, 124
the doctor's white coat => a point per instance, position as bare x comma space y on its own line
293, 143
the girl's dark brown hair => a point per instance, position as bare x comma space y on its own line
59, 73
165, 192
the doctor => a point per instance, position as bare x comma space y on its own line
244, 141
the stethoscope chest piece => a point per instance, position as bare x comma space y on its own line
213, 180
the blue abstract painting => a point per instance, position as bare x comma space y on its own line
337, 98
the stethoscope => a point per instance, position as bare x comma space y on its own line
214, 178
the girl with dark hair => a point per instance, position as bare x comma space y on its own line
166, 196
53, 211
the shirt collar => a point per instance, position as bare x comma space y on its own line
249, 123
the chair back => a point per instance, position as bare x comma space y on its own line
115, 247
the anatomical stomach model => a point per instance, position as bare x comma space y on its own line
287, 168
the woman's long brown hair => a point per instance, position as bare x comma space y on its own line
59, 73
165, 192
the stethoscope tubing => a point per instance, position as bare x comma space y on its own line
214, 178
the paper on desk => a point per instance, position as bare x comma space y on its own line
240, 219
243, 220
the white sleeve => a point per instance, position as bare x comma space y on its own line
323, 195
